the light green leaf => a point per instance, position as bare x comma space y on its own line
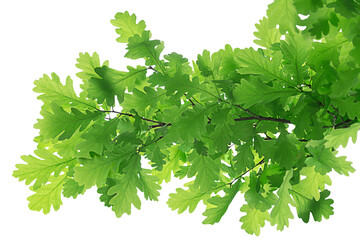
314, 182
72, 188
97, 138
58, 122
266, 35
125, 189
295, 49
48, 195
326, 52
217, 206
258, 200
127, 26
254, 91
325, 160
184, 199
87, 64
175, 159
41, 168
53, 91
255, 62
192, 124
177, 64
140, 100
253, 220
341, 136
283, 13
143, 47
149, 185
206, 169
114, 83
281, 213
97, 169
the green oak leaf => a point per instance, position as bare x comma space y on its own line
256, 63
244, 158
140, 100
319, 209
253, 220
40, 169
206, 170
217, 206
97, 138
325, 160
186, 199
318, 23
62, 124
125, 189
114, 83
174, 160
149, 185
283, 13
256, 92
48, 195
72, 188
341, 136
281, 213
286, 151
305, 6
53, 91
314, 182
266, 35
127, 26
256, 199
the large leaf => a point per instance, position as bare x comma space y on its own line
254, 91
47, 196
281, 213
63, 124
217, 206
40, 169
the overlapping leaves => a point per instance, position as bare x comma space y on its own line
264, 122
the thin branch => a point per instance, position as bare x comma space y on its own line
258, 117
337, 111
241, 175
247, 111
261, 118
133, 116
151, 68
145, 145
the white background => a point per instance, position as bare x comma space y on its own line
40, 37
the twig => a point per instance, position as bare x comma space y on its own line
241, 175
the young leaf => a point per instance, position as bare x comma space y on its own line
310, 186
206, 170
281, 213
217, 206
48, 195
127, 26
41, 168
63, 124
253, 220
184, 199
125, 189
325, 160
255, 92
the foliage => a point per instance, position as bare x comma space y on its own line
265, 122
